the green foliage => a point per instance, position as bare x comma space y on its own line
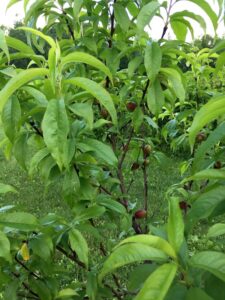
89, 111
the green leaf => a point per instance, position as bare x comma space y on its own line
3, 44
214, 137
208, 112
111, 204
153, 241
139, 274
47, 38
155, 97
5, 188
81, 57
196, 293
211, 261
36, 159
85, 111
158, 283
220, 63
19, 220
19, 45
65, 293
208, 10
79, 245
205, 204
4, 247
130, 253
175, 81
216, 230
153, 60
175, 227
20, 149
55, 127
77, 5
42, 246
179, 28
208, 174
71, 183
90, 213
98, 92
137, 118
121, 16
191, 15
11, 116
16, 82
101, 150
146, 14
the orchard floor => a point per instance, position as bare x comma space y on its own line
35, 198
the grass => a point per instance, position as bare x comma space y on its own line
33, 196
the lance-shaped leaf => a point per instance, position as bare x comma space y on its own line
102, 151
205, 6
47, 38
146, 14
153, 60
216, 230
6, 188
81, 57
85, 111
98, 92
121, 16
79, 245
211, 261
155, 97
19, 220
19, 80
11, 116
55, 127
209, 112
204, 206
19, 45
130, 253
3, 44
158, 283
153, 241
4, 247
175, 226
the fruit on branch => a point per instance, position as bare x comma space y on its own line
217, 165
131, 106
135, 166
140, 214
184, 206
147, 149
104, 113
201, 136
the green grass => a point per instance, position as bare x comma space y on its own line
33, 196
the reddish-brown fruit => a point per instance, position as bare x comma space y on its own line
135, 166
147, 150
217, 165
131, 106
140, 214
184, 206
104, 113
200, 137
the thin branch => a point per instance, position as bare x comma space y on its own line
68, 25
167, 19
71, 256
26, 286
26, 268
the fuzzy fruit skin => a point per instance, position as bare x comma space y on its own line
217, 165
147, 150
131, 106
200, 137
140, 214
104, 113
135, 166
